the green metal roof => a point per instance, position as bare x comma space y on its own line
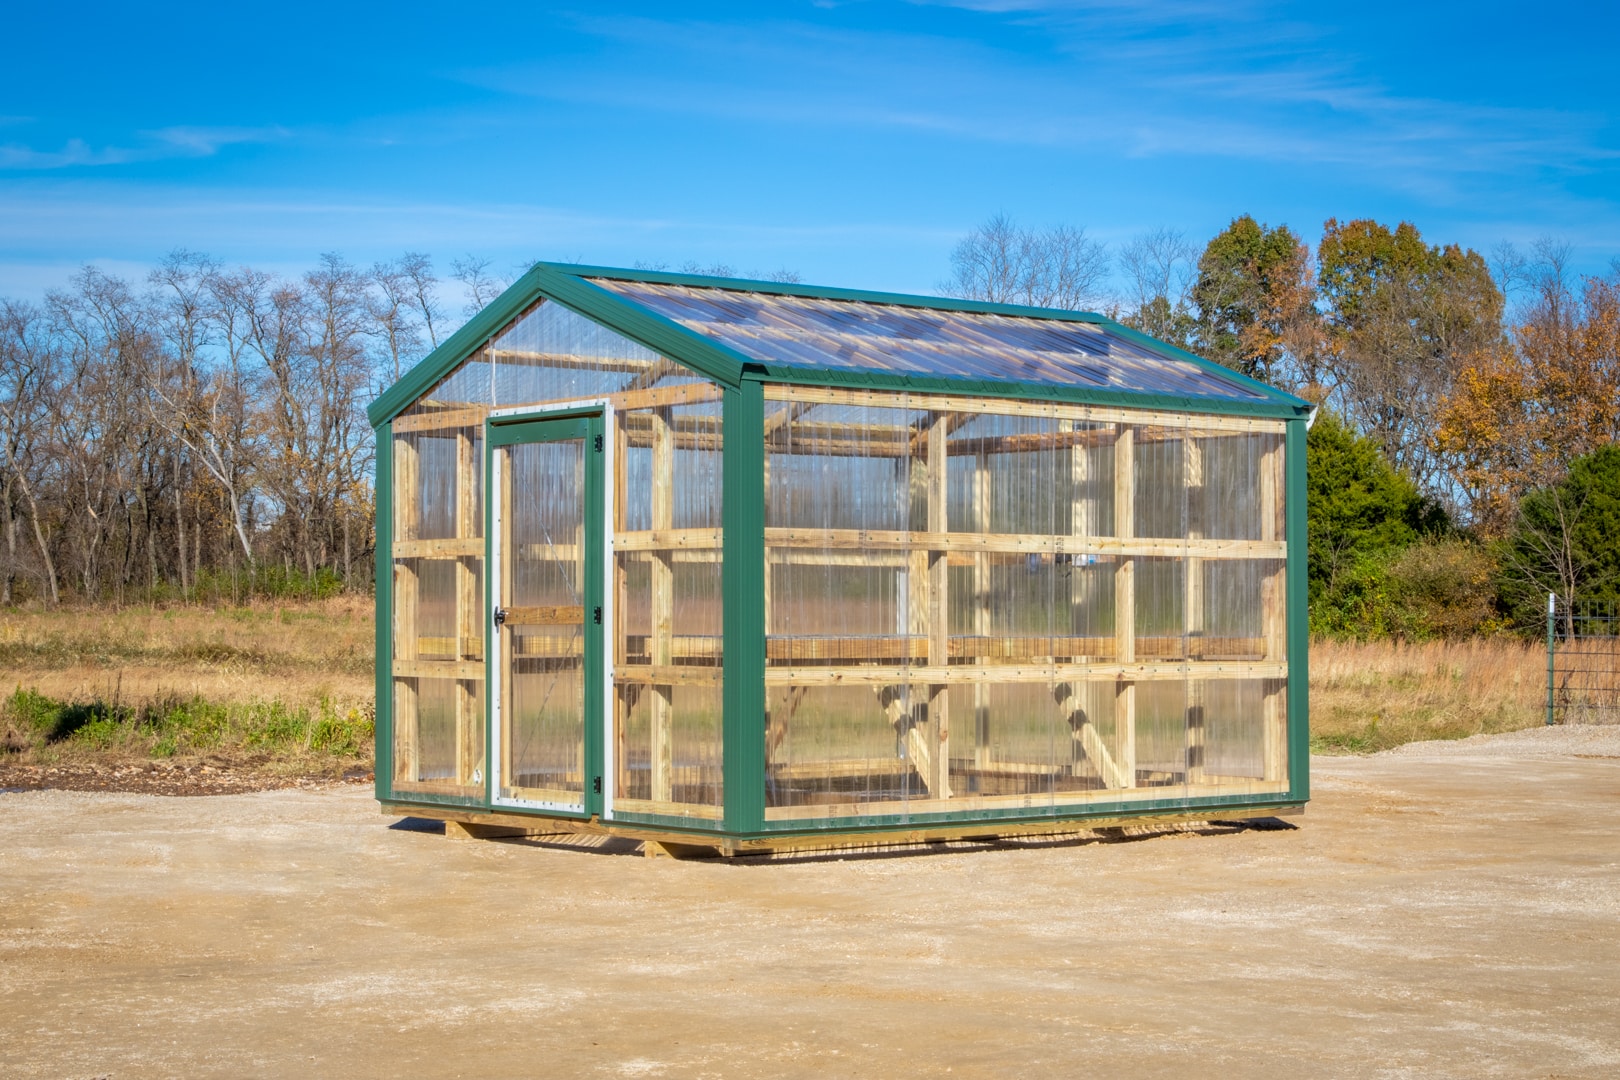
731, 329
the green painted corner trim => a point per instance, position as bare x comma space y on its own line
933, 303
1297, 589
382, 752
742, 575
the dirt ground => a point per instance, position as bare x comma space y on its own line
1446, 910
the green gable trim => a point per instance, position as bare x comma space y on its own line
648, 329
932, 303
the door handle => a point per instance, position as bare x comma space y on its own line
500, 617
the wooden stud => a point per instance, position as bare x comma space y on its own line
663, 604
1274, 613
981, 608
469, 610
939, 623
1198, 510
407, 592
1125, 602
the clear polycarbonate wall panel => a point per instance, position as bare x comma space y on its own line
1235, 737
438, 720
804, 332
667, 675
542, 590
1009, 602
546, 355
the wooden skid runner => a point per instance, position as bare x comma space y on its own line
478, 824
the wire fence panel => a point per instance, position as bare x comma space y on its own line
1583, 663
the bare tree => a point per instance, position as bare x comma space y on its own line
1159, 268
391, 308
482, 286
27, 377
1001, 263
418, 271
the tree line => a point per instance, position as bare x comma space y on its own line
1464, 463
201, 431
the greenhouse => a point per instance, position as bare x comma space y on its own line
742, 565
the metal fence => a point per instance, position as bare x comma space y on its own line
1583, 663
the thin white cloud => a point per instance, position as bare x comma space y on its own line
1186, 80
170, 142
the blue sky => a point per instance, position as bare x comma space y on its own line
853, 142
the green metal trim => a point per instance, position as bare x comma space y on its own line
598, 725
695, 826
538, 430
457, 347
1079, 395
543, 281
742, 574
1137, 808
382, 751
1297, 598
933, 303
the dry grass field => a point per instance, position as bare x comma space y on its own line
286, 688
278, 690
1371, 697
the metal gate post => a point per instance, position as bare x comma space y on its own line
1552, 601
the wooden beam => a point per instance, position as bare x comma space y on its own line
1043, 544
1090, 742
825, 395
674, 675
662, 397
545, 615
454, 417
438, 669
966, 674
447, 548
537, 358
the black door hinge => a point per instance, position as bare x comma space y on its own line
597, 615
596, 785
599, 444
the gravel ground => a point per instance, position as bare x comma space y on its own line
1578, 740
1448, 910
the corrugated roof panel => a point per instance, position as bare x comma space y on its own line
857, 335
